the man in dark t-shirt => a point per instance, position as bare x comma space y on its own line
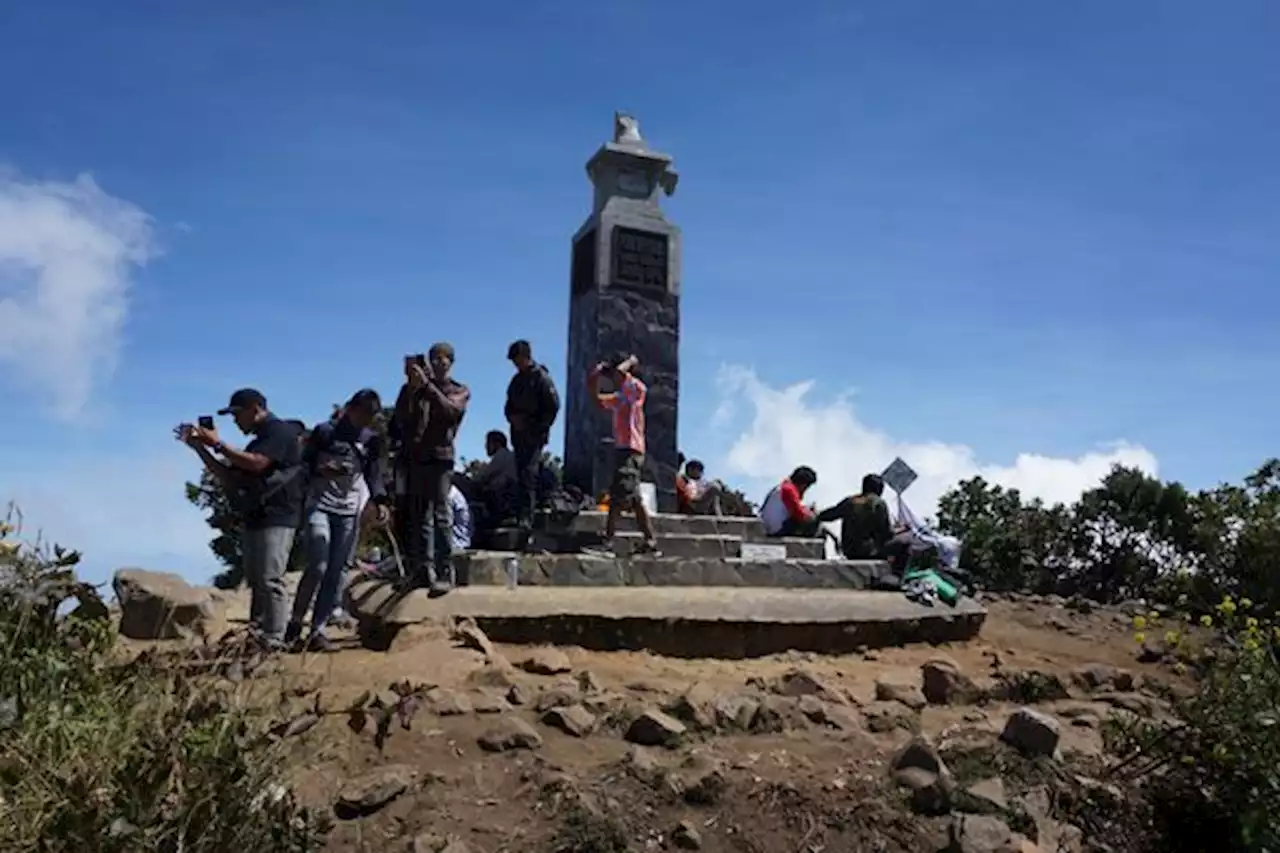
265, 483
865, 527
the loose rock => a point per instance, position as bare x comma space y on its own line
370, 792
1100, 676
510, 732
838, 717
685, 836
556, 697
736, 712
700, 780
487, 703
905, 694
572, 720
1032, 733
654, 728
547, 662
518, 695
467, 632
943, 683
696, 706
980, 834
161, 605
801, 682
919, 767
448, 703
985, 797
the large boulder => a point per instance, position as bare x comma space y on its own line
161, 605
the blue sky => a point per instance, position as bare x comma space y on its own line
1023, 239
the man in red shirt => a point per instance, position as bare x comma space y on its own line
626, 402
783, 511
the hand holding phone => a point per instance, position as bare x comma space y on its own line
205, 422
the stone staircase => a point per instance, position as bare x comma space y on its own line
695, 551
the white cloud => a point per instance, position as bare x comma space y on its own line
67, 251
787, 429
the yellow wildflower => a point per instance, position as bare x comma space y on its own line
1139, 623
1206, 620
1180, 668
1171, 638
1154, 615
1245, 603
1251, 645
1139, 638
1227, 607
1251, 624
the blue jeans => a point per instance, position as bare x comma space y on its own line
330, 540
266, 556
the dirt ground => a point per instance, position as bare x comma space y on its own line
814, 779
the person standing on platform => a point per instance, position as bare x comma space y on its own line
428, 413
626, 403
532, 407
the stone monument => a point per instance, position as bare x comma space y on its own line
624, 285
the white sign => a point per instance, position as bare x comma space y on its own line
763, 551
899, 476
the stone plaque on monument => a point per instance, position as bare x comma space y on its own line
625, 298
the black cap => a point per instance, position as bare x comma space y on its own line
243, 399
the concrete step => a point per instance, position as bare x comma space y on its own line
482, 568
685, 545
687, 622
748, 528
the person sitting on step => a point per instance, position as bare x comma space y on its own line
783, 511
695, 494
866, 531
492, 489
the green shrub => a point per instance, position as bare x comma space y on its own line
1216, 770
101, 753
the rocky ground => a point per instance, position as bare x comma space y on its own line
446, 742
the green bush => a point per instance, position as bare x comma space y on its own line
1215, 770
102, 753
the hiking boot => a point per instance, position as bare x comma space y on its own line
292, 633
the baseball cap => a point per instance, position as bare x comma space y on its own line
243, 399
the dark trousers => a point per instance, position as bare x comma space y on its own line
804, 529
528, 453
423, 522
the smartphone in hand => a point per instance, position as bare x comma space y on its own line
205, 422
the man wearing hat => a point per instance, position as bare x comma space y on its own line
265, 484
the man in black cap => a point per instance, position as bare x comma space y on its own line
265, 485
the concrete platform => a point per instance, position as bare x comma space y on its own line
717, 622
490, 568
685, 545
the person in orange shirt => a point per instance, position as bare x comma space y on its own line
626, 403
695, 494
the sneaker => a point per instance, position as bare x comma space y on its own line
646, 549
438, 589
292, 633
602, 550
318, 642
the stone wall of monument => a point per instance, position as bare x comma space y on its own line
625, 321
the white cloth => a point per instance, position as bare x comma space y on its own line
773, 512
925, 536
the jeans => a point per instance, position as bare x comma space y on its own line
266, 556
424, 522
330, 539
528, 454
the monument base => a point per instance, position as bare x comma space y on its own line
716, 622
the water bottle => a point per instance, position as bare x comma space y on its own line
513, 572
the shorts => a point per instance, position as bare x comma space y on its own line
627, 468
